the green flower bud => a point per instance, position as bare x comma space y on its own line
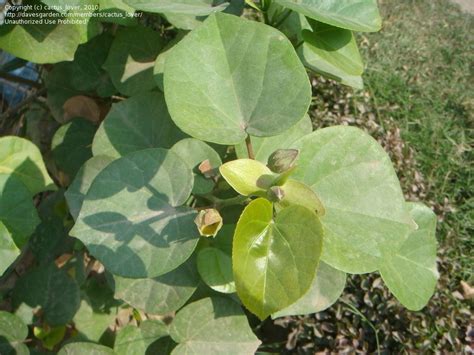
209, 222
282, 160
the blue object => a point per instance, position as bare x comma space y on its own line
13, 93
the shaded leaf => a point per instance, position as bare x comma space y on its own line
82, 348
163, 294
137, 123
133, 340
8, 250
21, 158
356, 15
325, 290
275, 259
219, 327
12, 334
50, 288
210, 81
366, 215
77, 191
410, 273
130, 63
133, 222
71, 145
17, 211
215, 268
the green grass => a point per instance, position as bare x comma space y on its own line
419, 102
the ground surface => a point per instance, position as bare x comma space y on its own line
466, 5
418, 102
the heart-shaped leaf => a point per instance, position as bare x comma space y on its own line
137, 123
8, 250
218, 85
77, 191
13, 333
353, 176
215, 268
356, 15
82, 348
248, 176
275, 259
136, 340
186, 7
160, 295
50, 288
17, 211
297, 193
263, 147
133, 222
326, 288
21, 158
71, 145
219, 326
130, 65
410, 273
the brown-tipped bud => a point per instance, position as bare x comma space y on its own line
206, 169
282, 160
275, 194
209, 222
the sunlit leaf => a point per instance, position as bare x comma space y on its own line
13, 333
410, 273
188, 7
21, 158
133, 340
82, 348
275, 258
219, 326
8, 250
366, 215
218, 85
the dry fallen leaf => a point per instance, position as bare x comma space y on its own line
81, 106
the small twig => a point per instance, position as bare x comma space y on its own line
20, 80
25, 102
250, 152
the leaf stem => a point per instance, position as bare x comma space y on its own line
19, 80
283, 18
250, 152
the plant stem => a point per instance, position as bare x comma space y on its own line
283, 18
220, 203
250, 152
25, 102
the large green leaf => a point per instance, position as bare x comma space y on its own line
366, 215
42, 43
130, 63
131, 219
186, 7
12, 334
356, 15
215, 268
77, 191
220, 83
21, 158
263, 147
17, 211
71, 145
82, 348
333, 52
137, 123
160, 295
194, 152
275, 259
410, 273
50, 288
213, 326
325, 290
8, 250
133, 340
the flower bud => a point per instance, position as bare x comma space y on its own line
209, 222
282, 160
275, 194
